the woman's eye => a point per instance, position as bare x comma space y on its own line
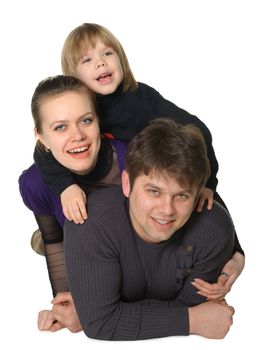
59, 128
87, 121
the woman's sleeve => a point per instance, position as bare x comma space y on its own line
52, 236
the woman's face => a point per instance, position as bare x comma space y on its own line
70, 130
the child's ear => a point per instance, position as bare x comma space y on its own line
125, 181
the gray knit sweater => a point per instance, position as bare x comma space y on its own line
126, 289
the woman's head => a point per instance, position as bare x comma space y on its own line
84, 38
66, 123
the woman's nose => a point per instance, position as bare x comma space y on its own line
78, 134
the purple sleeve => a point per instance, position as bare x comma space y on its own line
37, 196
121, 148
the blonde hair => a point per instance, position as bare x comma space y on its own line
84, 36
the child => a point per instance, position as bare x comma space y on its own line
92, 54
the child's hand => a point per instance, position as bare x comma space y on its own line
73, 200
206, 195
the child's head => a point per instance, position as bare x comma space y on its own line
85, 38
66, 123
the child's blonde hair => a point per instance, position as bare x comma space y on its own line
85, 36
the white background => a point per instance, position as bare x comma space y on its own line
205, 56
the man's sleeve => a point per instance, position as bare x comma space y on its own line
214, 247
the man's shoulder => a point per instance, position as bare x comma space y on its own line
216, 218
104, 201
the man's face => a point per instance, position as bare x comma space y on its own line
158, 205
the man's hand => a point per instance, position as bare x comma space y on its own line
211, 319
73, 200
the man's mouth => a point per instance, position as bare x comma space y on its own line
163, 222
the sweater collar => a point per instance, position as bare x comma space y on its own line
111, 98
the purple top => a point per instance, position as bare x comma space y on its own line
41, 200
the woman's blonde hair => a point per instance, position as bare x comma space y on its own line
84, 36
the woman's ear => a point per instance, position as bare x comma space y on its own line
40, 138
125, 181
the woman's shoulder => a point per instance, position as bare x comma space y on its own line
35, 193
31, 178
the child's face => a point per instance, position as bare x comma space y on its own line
70, 130
100, 69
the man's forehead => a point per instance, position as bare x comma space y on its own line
164, 179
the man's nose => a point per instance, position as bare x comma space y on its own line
167, 206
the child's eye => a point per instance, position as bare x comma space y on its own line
60, 127
86, 60
108, 53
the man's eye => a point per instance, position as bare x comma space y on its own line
153, 193
59, 128
182, 196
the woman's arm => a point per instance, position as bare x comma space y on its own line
52, 235
230, 272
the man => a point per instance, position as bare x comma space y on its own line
131, 265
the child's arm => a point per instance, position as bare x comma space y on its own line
205, 195
62, 181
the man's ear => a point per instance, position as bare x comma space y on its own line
125, 181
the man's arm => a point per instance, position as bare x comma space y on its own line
95, 279
214, 234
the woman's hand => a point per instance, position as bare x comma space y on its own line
47, 321
73, 200
65, 313
229, 274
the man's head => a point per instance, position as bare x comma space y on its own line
166, 168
